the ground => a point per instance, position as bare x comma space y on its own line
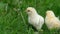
13, 18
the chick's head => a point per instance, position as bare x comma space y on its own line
30, 10
50, 13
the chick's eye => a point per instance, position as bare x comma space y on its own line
28, 10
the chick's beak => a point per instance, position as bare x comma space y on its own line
25, 10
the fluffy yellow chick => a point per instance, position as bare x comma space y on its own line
34, 18
51, 20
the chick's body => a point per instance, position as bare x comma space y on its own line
52, 21
35, 19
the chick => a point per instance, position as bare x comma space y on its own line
51, 20
34, 18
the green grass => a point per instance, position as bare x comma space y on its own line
13, 21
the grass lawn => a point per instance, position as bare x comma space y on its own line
13, 19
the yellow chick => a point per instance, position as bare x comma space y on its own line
34, 18
51, 20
